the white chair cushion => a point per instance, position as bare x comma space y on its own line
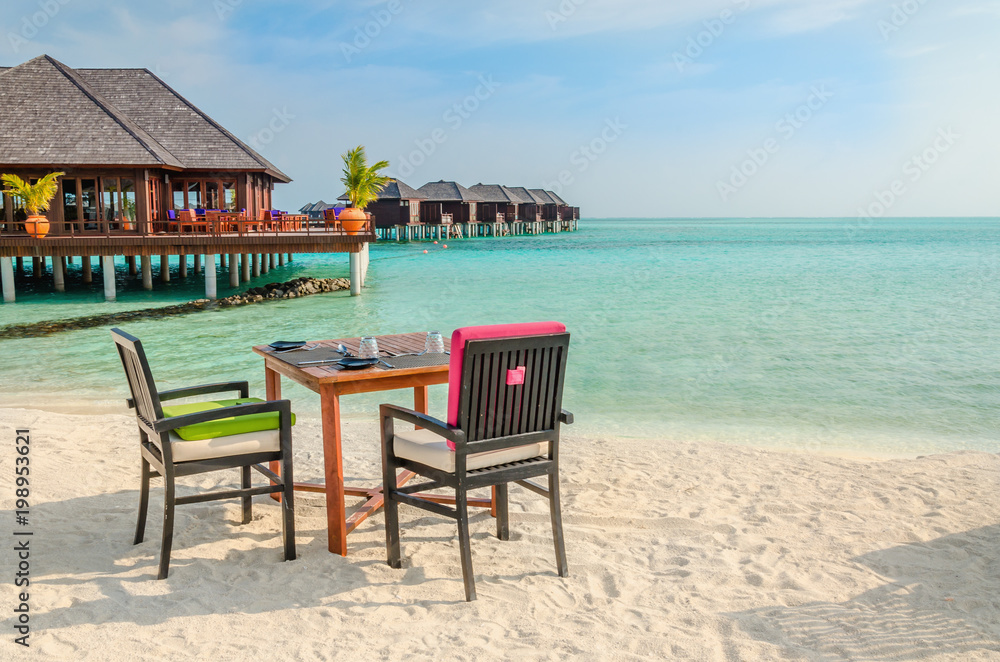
236, 444
425, 447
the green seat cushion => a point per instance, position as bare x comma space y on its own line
223, 427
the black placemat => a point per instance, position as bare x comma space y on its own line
297, 358
422, 361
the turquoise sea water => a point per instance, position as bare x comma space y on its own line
805, 334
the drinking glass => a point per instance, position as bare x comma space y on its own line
368, 349
434, 343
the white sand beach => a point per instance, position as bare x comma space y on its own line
676, 550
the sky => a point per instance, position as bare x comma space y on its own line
626, 108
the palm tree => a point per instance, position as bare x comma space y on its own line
35, 197
362, 181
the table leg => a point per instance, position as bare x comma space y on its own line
272, 381
421, 395
333, 460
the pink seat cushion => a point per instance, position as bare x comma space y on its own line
461, 336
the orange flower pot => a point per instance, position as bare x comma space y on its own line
353, 220
37, 226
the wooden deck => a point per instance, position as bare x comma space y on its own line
191, 243
307, 239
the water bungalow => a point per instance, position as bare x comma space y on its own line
398, 204
499, 203
530, 204
447, 203
499, 211
146, 173
315, 210
565, 211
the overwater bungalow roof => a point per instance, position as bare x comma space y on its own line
495, 193
526, 197
315, 207
53, 114
557, 199
542, 195
396, 190
442, 191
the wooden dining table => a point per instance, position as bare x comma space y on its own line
331, 383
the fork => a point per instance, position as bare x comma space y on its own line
305, 348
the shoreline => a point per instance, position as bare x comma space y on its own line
107, 409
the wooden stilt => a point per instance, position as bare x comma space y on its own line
147, 272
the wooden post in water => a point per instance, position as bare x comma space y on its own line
110, 293
183, 265
197, 263
234, 270
281, 259
147, 271
210, 285
355, 274
164, 269
130, 260
88, 274
256, 265
37, 264
58, 273
7, 278
20, 266
245, 264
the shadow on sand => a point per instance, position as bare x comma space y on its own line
940, 597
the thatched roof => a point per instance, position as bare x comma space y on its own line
495, 193
52, 114
543, 196
315, 207
526, 197
443, 191
396, 190
557, 199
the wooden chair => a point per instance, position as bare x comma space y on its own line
252, 441
504, 414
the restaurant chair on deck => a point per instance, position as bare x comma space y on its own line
194, 438
505, 386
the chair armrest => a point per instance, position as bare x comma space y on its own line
242, 387
566, 417
174, 422
450, 433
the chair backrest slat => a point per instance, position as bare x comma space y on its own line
490, 407
140, 379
